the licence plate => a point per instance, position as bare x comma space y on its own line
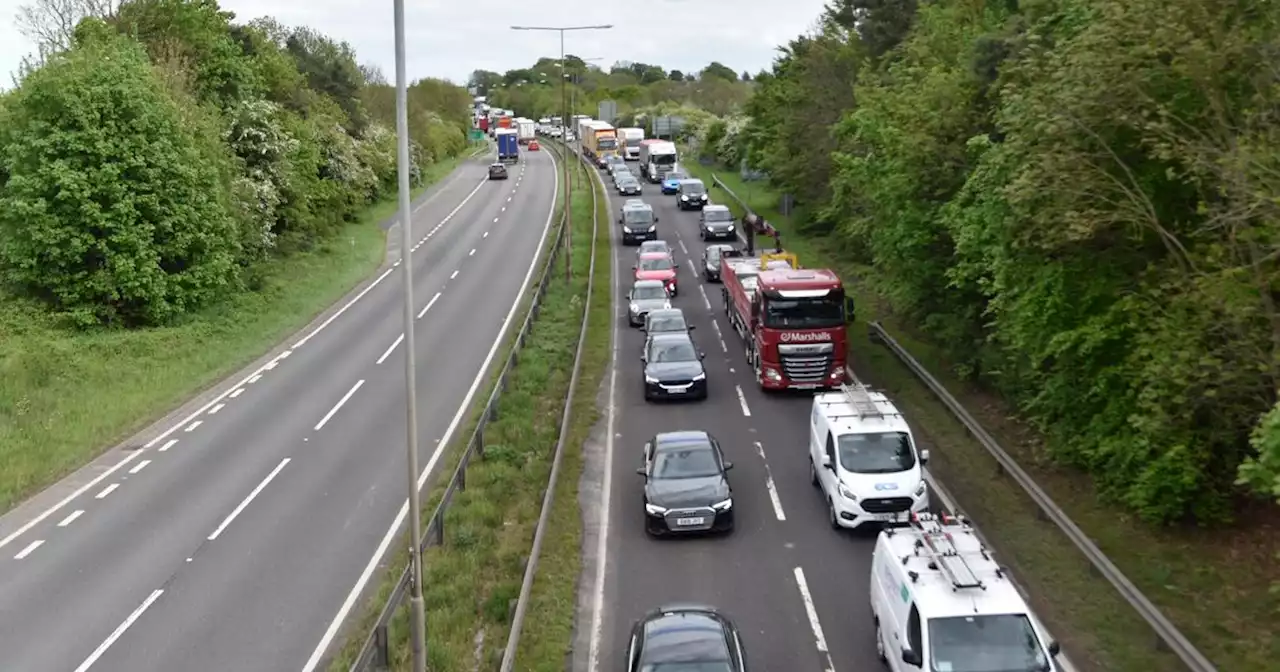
805, 386
690, 521
676, 388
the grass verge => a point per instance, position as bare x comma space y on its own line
66, 395
473, 578
1211, 583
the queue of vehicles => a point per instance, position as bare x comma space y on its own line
938, 599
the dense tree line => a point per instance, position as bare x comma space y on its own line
1078, 200
156, 154
1075, 199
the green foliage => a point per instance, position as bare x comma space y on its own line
1075, 199
170, 155
109, 209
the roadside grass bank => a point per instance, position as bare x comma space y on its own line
65, 396
1211, 583
474, 577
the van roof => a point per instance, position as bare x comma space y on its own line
933, 590
860, 414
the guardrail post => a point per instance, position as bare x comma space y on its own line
477, 441
381, 649
436, 531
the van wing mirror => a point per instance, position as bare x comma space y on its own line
1054, 648
924, 456
912, 657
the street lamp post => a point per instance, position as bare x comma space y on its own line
568, 185
417, 609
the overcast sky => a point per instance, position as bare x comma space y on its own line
451, 38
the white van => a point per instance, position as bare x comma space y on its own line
863, 458
941, 603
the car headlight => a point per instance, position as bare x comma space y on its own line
847, 493
920, 489
654, 510
635, 308
653, 228
626, 229
685, 197
702, 196
723, 506
729, 228
700, 376
666, 305
650, 379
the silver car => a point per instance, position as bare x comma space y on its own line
666, 320
646, 296
655, 247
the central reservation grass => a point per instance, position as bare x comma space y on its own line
66, 395
1211, 583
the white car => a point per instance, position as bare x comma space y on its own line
863, 458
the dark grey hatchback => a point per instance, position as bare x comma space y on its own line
685, 638
686, 484
673, 368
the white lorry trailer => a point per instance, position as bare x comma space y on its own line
629, 140
526, 130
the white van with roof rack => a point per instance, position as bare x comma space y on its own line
941, 603
863, 458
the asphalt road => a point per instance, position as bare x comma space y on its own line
797, 589
239, 537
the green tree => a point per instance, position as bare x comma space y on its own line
109, 210
718, 70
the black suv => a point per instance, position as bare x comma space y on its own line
497, 171
691, 195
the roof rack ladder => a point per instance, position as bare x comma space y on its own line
860, 398
942, 550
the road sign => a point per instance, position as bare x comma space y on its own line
667, 127
608, 111
477, 135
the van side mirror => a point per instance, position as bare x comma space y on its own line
702, 355
1054, 648
619, 219
690, 327
656, 219
641, 471
924, 456
911, 657
826, 463
849, 309
728, 466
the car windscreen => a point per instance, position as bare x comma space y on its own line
674, 350
677, 177
718, 216
672, 322
693, 188
993, 643
686, 462
877, 453
637, 216
656, 264
704, 666
646, 292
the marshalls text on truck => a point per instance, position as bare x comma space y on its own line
791, 319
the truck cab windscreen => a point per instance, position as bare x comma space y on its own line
607, 143
633, 217
807, 313
633, 142
878, 453
995, 643
663, 159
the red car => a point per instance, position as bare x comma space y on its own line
533, 145
657, 266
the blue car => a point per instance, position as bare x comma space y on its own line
672, 184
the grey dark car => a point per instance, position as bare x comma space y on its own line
681, 637
673, 368
666, 321
686, 484
627, 185
646, 295
711, 261
685, 636
716, 223
692, 195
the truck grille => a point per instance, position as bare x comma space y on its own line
806, 368
886, 505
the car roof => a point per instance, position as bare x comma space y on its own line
647, 283
653, 243
636, 204
671, 337
685, 636
690, 180
666, 312
647, 256
715, 208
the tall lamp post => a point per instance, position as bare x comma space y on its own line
417, 609
568, 185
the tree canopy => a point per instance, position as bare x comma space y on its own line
156, 153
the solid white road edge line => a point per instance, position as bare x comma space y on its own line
349, 603
245, 502
67, 500
606, 490
336, 407
102, 648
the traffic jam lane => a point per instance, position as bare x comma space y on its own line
835, 565
749, 574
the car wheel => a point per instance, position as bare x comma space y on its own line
813, 473
880, 652
831, 514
